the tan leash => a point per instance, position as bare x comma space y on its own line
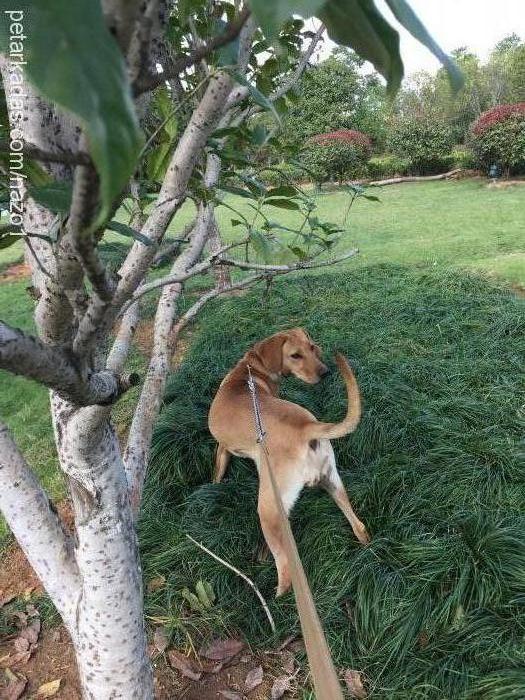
324, 676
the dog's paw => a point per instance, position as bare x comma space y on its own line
363, 536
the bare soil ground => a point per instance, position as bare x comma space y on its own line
49, 657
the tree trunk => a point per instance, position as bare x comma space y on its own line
108, 627
416, 178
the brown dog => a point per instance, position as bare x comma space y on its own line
298, 444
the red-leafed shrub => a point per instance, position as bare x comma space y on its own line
352, 136
496, 115
337, 155
498, 137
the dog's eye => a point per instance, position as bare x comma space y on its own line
296, 356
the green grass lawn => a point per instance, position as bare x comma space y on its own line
434, 607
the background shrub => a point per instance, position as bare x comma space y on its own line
282, 174
498, 136
463, 157
337, 155
388, 165
426, 141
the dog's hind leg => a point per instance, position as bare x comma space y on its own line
271, 525
222, 459
333, 484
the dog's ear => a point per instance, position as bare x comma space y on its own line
270, 352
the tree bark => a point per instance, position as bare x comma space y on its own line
108, 629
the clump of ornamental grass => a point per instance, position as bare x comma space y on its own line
434, 607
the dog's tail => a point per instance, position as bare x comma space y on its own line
317, 431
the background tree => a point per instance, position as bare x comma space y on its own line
89, 77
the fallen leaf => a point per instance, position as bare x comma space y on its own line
253, 679
222, 649
354, 683
280, 687
10, 675
156, 584
230, 695
184, 665
21, 644
31, 632
216, 668
160, 639
49, 690
288, 662
21, 657
16, 687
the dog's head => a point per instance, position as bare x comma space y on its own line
292, 352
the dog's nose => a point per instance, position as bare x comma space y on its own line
324, 371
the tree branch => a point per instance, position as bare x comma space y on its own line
64, 157
241, 92
37, 528
53, 367
173, 191
230, 33
179, 277
121, 346
306, 265
190, 314
299, 69
139, 441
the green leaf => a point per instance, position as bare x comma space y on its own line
298, 252
194, 603
8, 239
237, 222
56, 196
261, 244
238, 191
166, 111
271, 14
282, 191
283, 204
227, 54
227, 131
128, 231
259, 135
158, 161
359, 24
257, 96
205, 593
36, 173
406, 16
256, 187
73, 61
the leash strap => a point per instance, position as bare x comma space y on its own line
324, 676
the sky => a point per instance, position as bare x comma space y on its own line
477, 24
